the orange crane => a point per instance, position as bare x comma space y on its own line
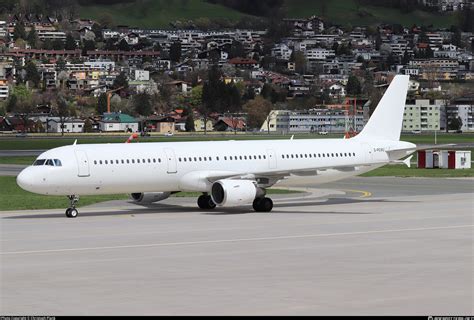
109, 95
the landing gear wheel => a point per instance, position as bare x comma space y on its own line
263, 204
205, 202
71, 212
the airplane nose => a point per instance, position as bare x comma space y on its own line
25, 180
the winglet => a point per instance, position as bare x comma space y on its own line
75, 141
407, 161
292, 137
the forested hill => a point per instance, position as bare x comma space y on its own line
222, 13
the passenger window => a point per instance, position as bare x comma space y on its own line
210, 158
259, 156
106, 162
100, 161
190, 159
138, 160
95, 161
123, 161
240, 157
296, 156
154, 160
116, 161
217, 158
225, 157
283, 156
133, 160
128, 161
264, 157
205, 158
159, 159
245, 158
184, 159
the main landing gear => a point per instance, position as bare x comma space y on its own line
263, 204
72, 212
205, 202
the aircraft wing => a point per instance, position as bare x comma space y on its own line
271, 177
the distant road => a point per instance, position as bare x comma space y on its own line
20, 153
11, 169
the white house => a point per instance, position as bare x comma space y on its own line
70, 125
319, 54
281, 51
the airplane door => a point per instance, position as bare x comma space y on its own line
171, 160
82, 164
368, 152
271, 159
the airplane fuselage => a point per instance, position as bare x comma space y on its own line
89, 169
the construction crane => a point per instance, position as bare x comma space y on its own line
109, 95
351, 117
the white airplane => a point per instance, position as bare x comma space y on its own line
228, 173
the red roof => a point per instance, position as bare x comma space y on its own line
238, 60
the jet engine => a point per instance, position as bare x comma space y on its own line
149, 197
233, 192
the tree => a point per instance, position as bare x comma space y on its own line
123, 45
19, 31
88, 45
61, 64
236, 49
300, 61
258, 110
58, 44
189, 126
62, 110
32, 73
88, 125
455, 124
142, 104
32, 38
121, 81
70, 42
47, 44
102, 104
23, 103
353, 86
175, 51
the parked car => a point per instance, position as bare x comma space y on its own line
323, 132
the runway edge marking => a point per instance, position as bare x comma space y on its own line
231, 240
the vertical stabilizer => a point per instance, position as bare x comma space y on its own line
386, 121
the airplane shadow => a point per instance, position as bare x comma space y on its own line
169, 208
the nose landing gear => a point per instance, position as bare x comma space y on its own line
72, 212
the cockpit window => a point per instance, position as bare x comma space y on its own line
39, 162
48, 162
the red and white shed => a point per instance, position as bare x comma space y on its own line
447, 159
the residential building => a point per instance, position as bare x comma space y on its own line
4, 89
314, 120
422, 115
70, 125
115, 121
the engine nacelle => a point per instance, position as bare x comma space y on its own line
149, 197
233, 192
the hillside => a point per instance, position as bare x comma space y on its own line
345, 12
159, 13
